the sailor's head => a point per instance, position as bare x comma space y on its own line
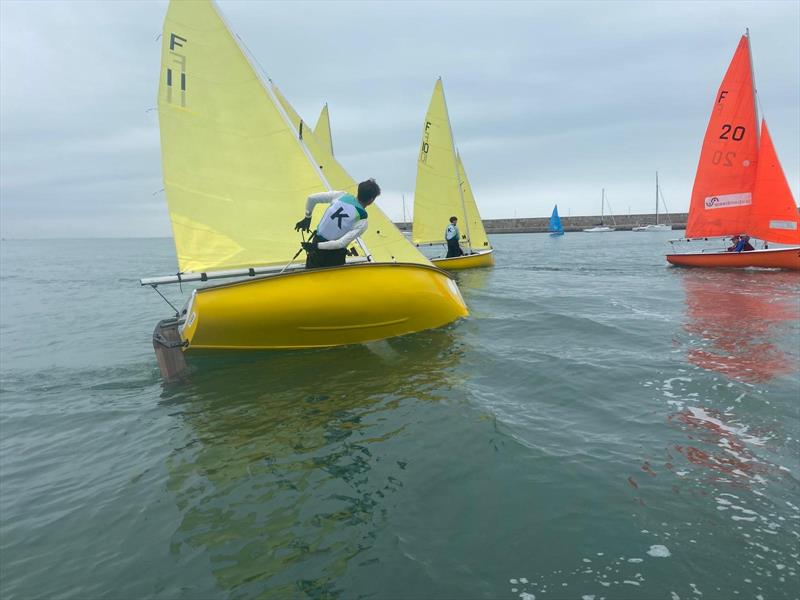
367, 192
735, 238
746, 238
453, 220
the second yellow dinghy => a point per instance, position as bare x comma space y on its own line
443, 191
236, 172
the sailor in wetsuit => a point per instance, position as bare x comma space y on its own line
451, 236
343, 221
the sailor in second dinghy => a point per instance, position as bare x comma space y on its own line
343, 221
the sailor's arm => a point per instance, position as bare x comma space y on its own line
347, 238
304, 224
321, 198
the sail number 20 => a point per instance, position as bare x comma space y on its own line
736, 135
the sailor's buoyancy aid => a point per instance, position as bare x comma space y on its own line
340, 217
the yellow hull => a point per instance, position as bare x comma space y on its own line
322, 307
484, 258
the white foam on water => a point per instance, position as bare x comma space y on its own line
523, 580
695, 590
659, 551
674, 596
587, 597
527, 596
635, 560
629, 582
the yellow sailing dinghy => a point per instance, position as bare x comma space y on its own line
236, 174
443, 191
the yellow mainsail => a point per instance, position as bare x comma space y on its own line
234, 172
323, 129
477, 233
442, 190
385, 242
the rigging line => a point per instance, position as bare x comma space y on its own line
177, 312
760, 107
254, 57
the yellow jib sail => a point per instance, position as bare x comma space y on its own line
323, 129
235, 175
385, 242
477, 233
442, 189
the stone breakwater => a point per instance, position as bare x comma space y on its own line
539, 224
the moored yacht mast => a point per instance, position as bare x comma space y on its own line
656, 197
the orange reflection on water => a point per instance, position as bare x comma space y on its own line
731, 455
736, 314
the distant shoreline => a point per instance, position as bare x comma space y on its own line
493, 226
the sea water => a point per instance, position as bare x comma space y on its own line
601, 426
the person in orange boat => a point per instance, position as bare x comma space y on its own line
744, 244
734, 243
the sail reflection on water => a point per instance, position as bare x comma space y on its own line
296, 459
734, 320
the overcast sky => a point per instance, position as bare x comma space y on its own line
549, 102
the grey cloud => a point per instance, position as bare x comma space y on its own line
549, 101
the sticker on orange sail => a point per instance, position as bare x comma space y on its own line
728, 200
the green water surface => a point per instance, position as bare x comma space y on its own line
601, 426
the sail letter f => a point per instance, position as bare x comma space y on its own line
175, 40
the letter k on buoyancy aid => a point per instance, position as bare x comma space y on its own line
341, 216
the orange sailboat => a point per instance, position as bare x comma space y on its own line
740, 188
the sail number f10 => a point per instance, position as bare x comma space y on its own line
423, 153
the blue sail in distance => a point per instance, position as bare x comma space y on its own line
555, 227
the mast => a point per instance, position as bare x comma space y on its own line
458, 175
279, 107
602, 202
404, 209
656, 197
753, 81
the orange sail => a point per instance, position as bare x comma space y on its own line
773, 215
723, 187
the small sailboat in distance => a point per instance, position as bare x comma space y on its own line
443, 191
555, 227
740, 188
657, 226
601, 228
236, 170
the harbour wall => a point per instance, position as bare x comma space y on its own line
539, 224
